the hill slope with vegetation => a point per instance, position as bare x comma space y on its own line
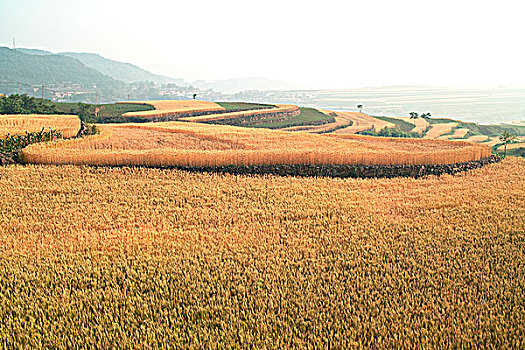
126, 72
54, 69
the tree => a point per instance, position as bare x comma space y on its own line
506, 137
413, 115
23, 104
360, 107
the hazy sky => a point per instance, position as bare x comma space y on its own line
321, 44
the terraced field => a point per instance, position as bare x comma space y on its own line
458, 133
69, 125
118, 256
252, 114
436, 130
169, 108
420, 124
195, 144
360, 122
519, 143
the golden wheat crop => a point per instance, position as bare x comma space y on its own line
13, 124
164, 108
242, 114
360, 122
340, 122
152, 258
492, 141
514, 145
420, 124
439, 129
194, 144
478, 138
458, 134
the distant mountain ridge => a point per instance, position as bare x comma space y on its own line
50, 68
126, 72
242, 84
121, 71
83, 65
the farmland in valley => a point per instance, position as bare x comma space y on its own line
104, 256
121, 257
286, 117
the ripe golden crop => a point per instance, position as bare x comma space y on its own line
13, 124
420, 124
458, 134
164, 108
340, 122
194, 144
439, 129
242, 114
360, 122
512, 145
153, 258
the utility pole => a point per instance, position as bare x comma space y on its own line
128, 97
14, 46
18, 88
96, 98
43, 91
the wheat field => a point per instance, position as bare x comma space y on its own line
519, 143
14, 124
458, 134
153, 258
164, 108
194, 144
478, 138
436, 130
420, 124
340, 122
361, 122
241, 114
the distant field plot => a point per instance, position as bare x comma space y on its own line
118, 109
254, 117
420, 125
459, 133
69, 125
300, 116
478, 138
515, 145
243, 106
324, 128
519, 143
194, 144
173, 108
360, 122
439, 129
492, 141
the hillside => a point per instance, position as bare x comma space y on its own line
125, 72
52, 69
91, 72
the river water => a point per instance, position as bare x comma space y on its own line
482, 105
